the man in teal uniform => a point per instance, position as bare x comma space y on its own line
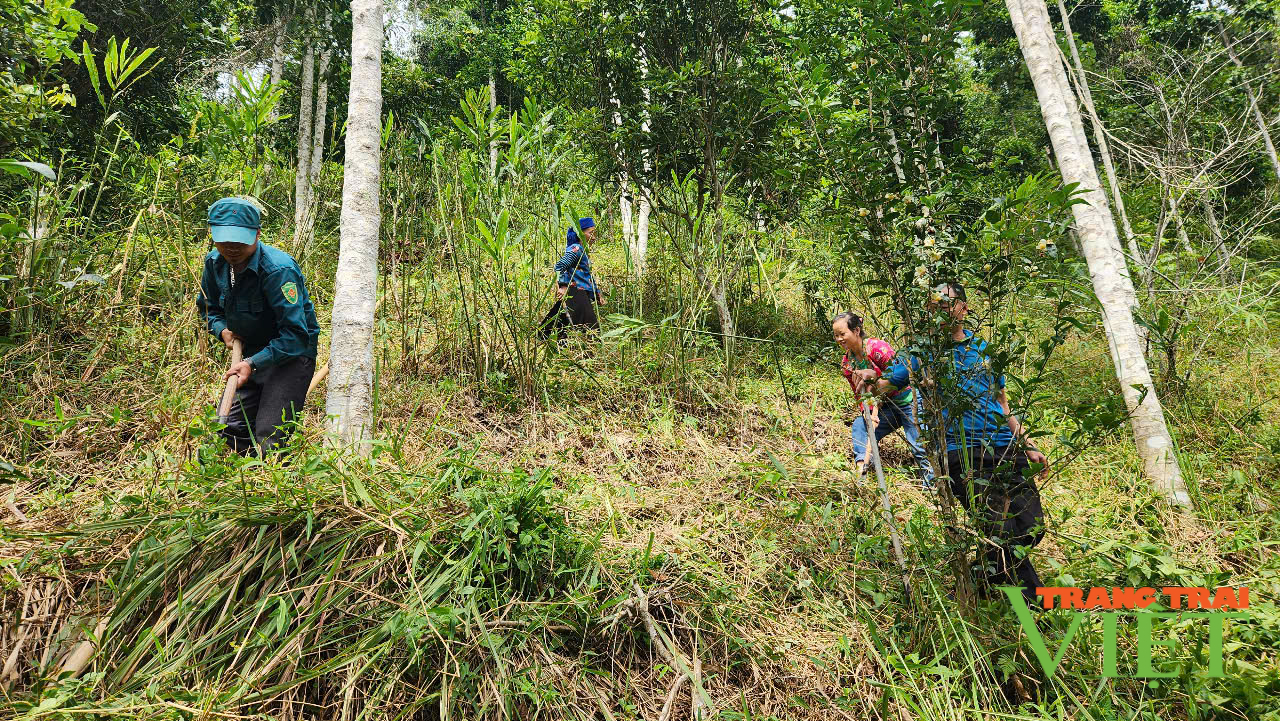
255, 293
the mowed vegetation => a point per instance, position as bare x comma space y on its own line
661, 522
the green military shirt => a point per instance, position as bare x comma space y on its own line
268, 307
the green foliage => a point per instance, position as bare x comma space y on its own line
462, 45
285, 591
234, 132
34, 39
194, 31
120, 70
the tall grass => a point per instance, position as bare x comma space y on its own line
323, 586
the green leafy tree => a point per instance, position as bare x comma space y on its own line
675, 97
35, 39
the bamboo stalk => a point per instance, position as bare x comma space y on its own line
80, 656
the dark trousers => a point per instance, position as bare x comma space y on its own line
578, 307
268, 404
1011, 516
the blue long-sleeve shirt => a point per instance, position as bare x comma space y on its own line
575, 267
982, 420
269, 307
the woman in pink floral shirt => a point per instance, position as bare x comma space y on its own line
865, 360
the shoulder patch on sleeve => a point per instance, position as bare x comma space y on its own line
290, 292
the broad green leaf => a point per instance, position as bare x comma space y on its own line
91, 66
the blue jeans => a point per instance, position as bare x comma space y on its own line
893, 417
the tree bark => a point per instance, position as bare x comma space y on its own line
1100, 137
349, 405
897, 153
1219, 243
1177, 221
316, 164
640, 252
1253, 102
727, 326
626, 206
302, 177
1110, 275
277, 60
318, 131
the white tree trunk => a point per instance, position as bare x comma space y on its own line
1110, 275
302, 177
625, 205
634, 208
349, 405
627, 210
318, 125
277, 60
1177, 221
727, 326
640, 252
1100, 137
316, 164
897, 154
493, 144
1219, 243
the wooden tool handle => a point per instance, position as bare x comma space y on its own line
318, 378
229, 395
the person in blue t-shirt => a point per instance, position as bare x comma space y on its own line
576, 289
255, 293
988, 445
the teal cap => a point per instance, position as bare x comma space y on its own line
234, 220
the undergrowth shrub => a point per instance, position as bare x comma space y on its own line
296, 584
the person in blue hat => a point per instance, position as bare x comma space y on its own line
577, 292
255, 293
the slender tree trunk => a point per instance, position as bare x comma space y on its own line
626, 206
1099, 137
302, 178
493, 144
1219, 244
640, 253
1253, 102
319, 124
1177, 221
349, 405
277, 59
1111, 282
897, 153
316, 164
721, 301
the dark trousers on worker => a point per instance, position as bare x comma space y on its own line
578, 307
268, 405
1011, 516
